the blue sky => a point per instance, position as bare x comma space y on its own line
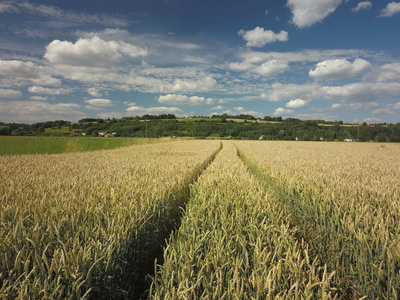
306, 59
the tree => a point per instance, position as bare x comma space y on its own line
5, 130
381, 137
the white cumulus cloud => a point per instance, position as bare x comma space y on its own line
48, 91
281, 92
388, 73
247, 64
260, 66
362, 5
183, 100
18, 68
99, 102
356, 106
258, 37
37, 111
388, 109
140, 110
38, 98
204, 84
363, 91
391, 9
339, 69
308, 12
7, 93
297, 103
94, 92
92, 52
283, 112
27, 71
272, 67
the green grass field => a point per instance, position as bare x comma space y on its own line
199, 120
56, 145
62, 129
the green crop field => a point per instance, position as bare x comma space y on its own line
202, 219
57, 145
199, 120
61, 129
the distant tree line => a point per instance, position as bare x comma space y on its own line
241, 116
220, 126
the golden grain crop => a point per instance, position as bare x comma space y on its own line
344, 199
80, 224
235, 243
265, 220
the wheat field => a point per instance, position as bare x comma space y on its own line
236, 243
203, 220
80, 224
344, 200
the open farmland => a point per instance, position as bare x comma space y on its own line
344, 201
90, 224
236, 243
57, 145
263, 220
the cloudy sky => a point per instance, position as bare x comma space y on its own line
307, 59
